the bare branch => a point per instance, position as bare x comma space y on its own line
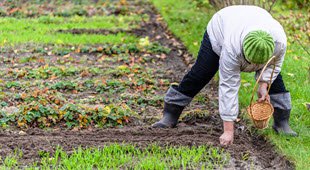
273, 3
304, 48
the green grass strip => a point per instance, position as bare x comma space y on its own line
188, 21
44, 29
127, 156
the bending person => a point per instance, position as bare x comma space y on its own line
237, 38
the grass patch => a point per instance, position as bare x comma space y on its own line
188, 21
44, 29
126, 156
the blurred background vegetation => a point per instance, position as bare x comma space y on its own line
266, 4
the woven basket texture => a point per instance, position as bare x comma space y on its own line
261, 113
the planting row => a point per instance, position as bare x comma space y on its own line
99, 84
57, 72
34, 8
45, 108
83, 55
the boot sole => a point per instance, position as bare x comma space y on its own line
283, 132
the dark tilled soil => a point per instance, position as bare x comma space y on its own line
259, 153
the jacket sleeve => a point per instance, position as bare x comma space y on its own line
279, 53
229, 72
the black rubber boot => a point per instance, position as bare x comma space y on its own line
281, 122
170, 118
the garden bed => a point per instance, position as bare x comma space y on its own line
90, 95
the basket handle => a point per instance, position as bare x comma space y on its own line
274, 66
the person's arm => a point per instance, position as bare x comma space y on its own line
229, 71
229, 83
280, 50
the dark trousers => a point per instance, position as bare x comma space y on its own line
205, 67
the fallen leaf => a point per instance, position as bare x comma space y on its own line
22, 133
85, 73
57, 102
35, 93
36, 108
78, 50
13, 10
21, 123
163, 56
119, 121
99, 49
246, 84
66, 56
75, 129
123, 2
41, 60
23, 95
290, 74
53, 77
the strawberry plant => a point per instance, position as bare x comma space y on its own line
75, 70
12, 84
64, 85
44, 109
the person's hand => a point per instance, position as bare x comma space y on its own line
227, 137
262, 92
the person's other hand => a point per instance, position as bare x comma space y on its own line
262, 92
227, 138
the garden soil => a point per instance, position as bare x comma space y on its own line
248, 151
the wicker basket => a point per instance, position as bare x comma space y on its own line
261, 112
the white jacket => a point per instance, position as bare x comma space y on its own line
227, 30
